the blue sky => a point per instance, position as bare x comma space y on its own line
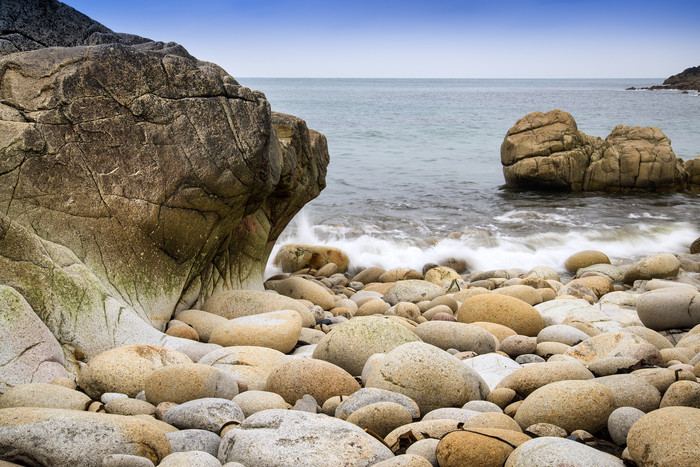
412, 39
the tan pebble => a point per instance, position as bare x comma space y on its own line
585, 258
668, 436
447, 300
512, 409
547, 294
517, 345
546, 429
444, 317
572, 405
65, 382
189, 381
318, 378
128, 406
125, 369
407, 310
182, 330
203, 322
547, 349
523, 292
502, 309
400, 274
494, 420
682, 393
430, 313
498, 330
381, 417
368, 275
331, 404
372, 307
680, 354
421, 430
486, 447
164, 407
501, 397
96, 406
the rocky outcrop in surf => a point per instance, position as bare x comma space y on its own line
547, 151
136, 180
687, 80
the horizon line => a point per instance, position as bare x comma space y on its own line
433, 77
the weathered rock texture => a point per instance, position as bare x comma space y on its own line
687, 80
135, 180
547, 151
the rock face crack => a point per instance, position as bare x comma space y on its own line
546, 151
135, 175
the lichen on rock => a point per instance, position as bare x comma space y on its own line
135, 180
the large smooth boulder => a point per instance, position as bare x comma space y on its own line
299, 288
318, 378
615, 344
667, 436
210, 414
561, 452
547, 151
293, 438
508, 311
369, 396
136, 179
535, 375
413, 291
125, 369
189, 381
71, 437
248, 364
669, 308
232, 304
44, 395
428, 375
632, 391
487, 447
584, 259
658, 266
572, 405
459, 336
29, 352
278, 330
350, 344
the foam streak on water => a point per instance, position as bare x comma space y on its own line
497, 250
413, 161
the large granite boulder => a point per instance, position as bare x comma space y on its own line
136, 180
547, 151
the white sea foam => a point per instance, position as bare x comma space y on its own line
393, 249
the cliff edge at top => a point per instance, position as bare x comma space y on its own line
135, 180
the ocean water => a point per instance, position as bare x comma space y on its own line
416, 161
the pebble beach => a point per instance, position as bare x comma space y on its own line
594, 365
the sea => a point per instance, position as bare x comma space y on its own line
415, 175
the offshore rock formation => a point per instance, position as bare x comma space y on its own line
687, 80
547, 151
135, 180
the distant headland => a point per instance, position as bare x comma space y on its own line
688, 80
